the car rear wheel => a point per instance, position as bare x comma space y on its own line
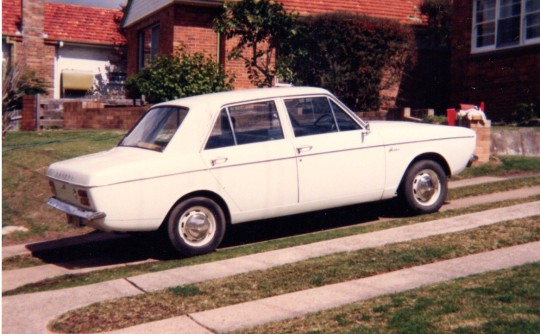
425, 187
196, 226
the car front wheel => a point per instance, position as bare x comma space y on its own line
196, 226
425, 187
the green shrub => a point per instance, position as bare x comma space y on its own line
177, 76
525, 112
438, 13
351, 55
435, 119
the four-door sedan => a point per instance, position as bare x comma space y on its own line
195, 165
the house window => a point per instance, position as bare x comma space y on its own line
6, 52
148, 45
500, 24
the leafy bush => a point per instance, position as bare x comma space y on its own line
439, 13
525, 112
354, 56
177, 76
435, 119
16, 82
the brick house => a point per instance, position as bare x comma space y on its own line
159, 27
70, 46
496, 54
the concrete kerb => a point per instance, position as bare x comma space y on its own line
62, 301
288, 306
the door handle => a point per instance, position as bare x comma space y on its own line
303, 149
218, 161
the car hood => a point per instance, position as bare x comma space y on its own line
404, 132
121, 164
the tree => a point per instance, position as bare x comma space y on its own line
261, 27
177, 76
439, 13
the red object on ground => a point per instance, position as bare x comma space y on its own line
451, 116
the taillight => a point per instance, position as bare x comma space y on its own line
53, 188
83, 197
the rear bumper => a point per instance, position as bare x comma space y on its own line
72, 210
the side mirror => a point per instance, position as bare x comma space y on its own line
368, 129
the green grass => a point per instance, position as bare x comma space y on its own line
298, 276
504, 166
505, 301
25, 189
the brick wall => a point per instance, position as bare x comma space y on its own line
89, 115
501, 79
28, 121
32, 52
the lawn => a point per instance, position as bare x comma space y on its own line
25, 189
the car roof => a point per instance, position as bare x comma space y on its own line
242, 95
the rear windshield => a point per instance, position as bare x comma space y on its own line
156, 129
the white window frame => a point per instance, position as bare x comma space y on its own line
523, 41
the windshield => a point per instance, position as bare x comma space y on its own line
156, 129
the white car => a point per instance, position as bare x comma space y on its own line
195, 165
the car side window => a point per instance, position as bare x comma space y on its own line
311, 116
318, 115
344, 120
246, 124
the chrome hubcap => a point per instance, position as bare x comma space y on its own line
426, 187
197, 226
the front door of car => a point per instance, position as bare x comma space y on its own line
248, 155
339, 162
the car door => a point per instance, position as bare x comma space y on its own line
338, 160
249, 156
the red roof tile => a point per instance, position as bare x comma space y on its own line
82, 24
68, 23
11, 16
404, 11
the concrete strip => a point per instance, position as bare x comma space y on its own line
474, 181
15, 308
491, 198
251, 314
30, 313
12, 279
198, 273
178, 325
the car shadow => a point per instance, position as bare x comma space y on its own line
126, 249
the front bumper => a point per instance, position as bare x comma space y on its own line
72, 210
472, 159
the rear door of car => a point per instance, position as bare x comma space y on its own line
249, 156
338, 160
